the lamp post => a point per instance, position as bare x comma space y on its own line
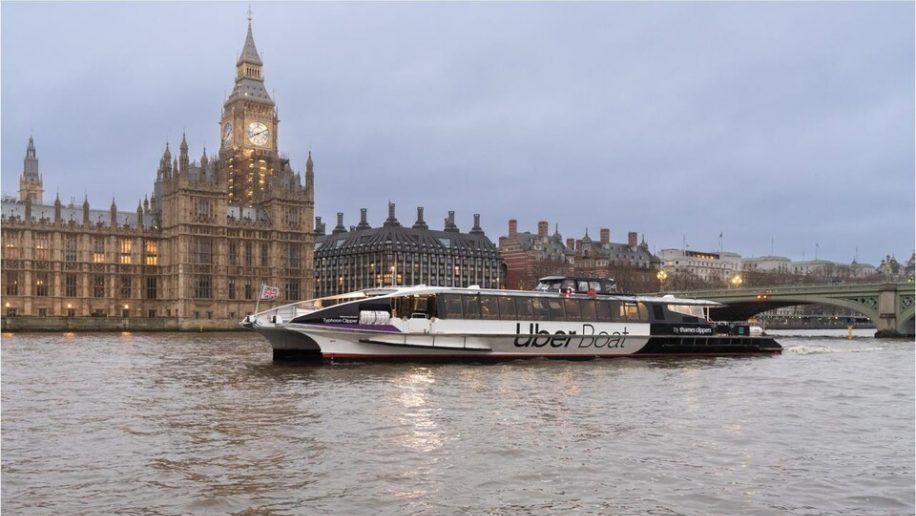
662, 276
736, 280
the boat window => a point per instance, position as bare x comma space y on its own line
556, 309
658, 312
636, 312
604, 310
587, 307
450, 306
471, 307
572, 309
539, 310
489, 308
568, 285
583, 286
507, 308
594, 285
523, 305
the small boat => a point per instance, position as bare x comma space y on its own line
563, 318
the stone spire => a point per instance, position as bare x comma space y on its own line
114, 213
184, 161
86, 210
140, 214
249, 51
30, 183
309, 174
57, 207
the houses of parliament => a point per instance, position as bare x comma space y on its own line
193, 254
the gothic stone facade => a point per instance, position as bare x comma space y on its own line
366, 257
194, 255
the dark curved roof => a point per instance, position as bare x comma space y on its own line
405, 239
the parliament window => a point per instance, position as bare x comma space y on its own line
233, 253
12, 283
126, 285
202, 250
231, 288
98, 250
248, 290
125, 246
152, 252
293, 251
151, 288
264, 254
42, 246
41, 283
70, 249
292, 290
98, 286
70, 285
202, 287
11, 245
249, 255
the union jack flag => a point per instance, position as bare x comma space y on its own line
268, 292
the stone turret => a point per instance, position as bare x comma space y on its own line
309, 174
139, 215
57, 209
114, 213
184, 163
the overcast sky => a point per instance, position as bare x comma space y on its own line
766, 122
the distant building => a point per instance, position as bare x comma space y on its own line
891, 269
192, 255
712, 267
390, 255
529, 257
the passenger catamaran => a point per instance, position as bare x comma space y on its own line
563, 318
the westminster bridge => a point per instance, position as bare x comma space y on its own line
889, 305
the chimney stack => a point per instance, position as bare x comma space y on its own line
571, 244
631, 239
363, 222
420, 223
513, 228
578, 244
450, 223
476, 230
605, 236
543, 227
339, 228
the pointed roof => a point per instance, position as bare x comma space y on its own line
249, 51
30, 150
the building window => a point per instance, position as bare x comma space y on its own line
11, 245
98, 285
292, 290
152, 252
42, 246
70, 249
292, 217
151, 314
264, 254
248, 290
126, 285
249, 255
125, 246
293, 251
41, 284
231, 288
12, 283
98, 250
203, 208
202, 251
42, 312
233, 253
150, 288
202, 287
11, 312
70, 285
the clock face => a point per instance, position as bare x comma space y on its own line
227, 133
258, 134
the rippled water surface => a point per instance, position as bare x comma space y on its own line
207, 423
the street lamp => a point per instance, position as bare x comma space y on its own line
662, 276
736, 280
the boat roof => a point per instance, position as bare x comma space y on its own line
425, 289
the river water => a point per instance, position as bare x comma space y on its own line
207, 423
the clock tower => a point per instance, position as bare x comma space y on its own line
248, 130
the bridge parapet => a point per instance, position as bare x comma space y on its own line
889, 305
